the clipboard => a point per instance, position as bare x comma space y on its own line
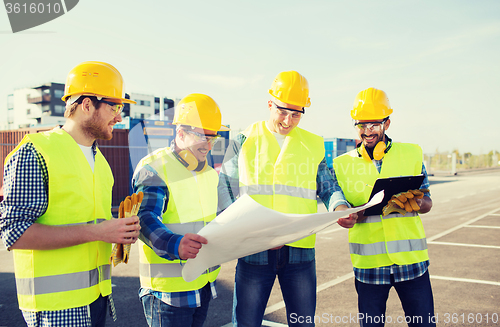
391, 186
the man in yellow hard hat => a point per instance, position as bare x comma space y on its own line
282, 167
180, 197
390, 249
56, 213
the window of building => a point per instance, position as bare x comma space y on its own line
58, 93
59, 110
28, 111
10, 102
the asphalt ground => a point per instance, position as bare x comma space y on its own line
463, 234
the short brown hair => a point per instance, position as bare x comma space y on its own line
72, 107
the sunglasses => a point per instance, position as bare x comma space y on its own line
212, 139
116, 107
285, 111
372, 125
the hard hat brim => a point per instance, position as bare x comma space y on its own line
123, 100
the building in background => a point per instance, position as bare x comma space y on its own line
42, 106
148, 106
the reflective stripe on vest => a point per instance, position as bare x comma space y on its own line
191, 205
182, 229
282, 179
65, 278
62, 283
382, 241
392, 247
294, 191
376, 219
165, 270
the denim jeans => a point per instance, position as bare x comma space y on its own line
253, 284
416, 299
98, 310
160, 314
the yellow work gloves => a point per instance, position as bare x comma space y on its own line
404, 202
128, 208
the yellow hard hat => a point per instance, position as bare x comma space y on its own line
95, 78
199, 110
292, 88
371, 104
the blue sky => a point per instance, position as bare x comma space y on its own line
438, 61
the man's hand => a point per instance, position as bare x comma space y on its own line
190, 245
346, 222
45, 237
123, 230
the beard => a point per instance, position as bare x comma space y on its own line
379, 138
94, 128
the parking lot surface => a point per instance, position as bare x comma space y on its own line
463, 234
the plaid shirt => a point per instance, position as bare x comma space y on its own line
382, 275
25, 188
327, 189
158, 237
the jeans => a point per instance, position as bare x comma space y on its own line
416, 299
160, 314
98, 310
253, 284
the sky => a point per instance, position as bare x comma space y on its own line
438, 61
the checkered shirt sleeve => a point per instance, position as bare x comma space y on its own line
25, 189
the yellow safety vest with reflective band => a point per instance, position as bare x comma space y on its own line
382, 241
192, 203
49, 280
282, 179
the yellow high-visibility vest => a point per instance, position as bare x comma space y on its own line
192, 203
281, 179
75, 276
382, 241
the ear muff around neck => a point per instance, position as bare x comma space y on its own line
189, 161
378, 152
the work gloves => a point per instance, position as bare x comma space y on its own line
404, 202
128, 208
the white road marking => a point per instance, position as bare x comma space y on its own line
482, 226
272, 324
466, 280
446, 232
338, 280
466, 245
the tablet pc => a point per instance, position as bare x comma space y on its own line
391, 186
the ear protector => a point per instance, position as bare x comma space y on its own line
189, 161
379, 150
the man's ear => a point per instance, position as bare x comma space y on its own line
270, 104
181, 134
387, 123
87, 105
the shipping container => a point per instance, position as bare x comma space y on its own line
335, 147
115, 151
